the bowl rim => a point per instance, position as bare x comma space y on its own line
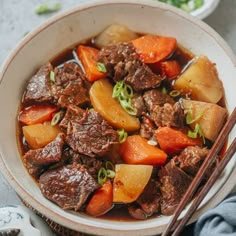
83, 6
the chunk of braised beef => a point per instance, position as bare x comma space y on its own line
37, 160
73, 113
74, 93
155, 97
113, 155
137, 212
67, 73
92, 135
137, 103
147, 128
122, 63
140, 77
174, 183
179, 116
191, 158
92, 165
149, 200
68, 186
69, 86
114, 57
168, 115
147, 203
38, 89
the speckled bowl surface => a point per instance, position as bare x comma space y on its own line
69, 28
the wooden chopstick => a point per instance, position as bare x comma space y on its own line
216, 173
211, 157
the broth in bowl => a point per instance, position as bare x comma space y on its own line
120, 122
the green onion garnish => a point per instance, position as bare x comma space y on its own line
101, 67
198, 3
111, 174
46, 8
164, 90
186, 5
174, 93
109, 165
127, 107
122, 135
118, 89
56, 118
189, 118
107, 172
52, 76
198, 132
102, 176
124, 93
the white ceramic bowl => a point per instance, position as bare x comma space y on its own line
69, 28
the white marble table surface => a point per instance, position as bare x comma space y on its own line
18, 17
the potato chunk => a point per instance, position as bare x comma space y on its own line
114, 34
130, 181
39, 135
201, 81
212, 119
109, 108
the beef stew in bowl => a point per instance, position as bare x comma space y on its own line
54, 37
125, 122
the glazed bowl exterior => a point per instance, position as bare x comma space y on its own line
69, 28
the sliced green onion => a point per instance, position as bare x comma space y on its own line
186, 5
45, 8
122, 135
189, 118
198, 132
52, 76
102, 176
124, 93
198, 3
127, 107
101, 67
164, 90
174, 93
109, 165
111, 174
107, 172
192, 134
117, 89
56, 118
128, 91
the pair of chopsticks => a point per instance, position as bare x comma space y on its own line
177, 227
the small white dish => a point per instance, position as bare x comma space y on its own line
20, 217
207, 8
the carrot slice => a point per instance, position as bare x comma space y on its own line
153, 48
136, 150
37, 114
101, 201
170, 69
88, 57
174, 141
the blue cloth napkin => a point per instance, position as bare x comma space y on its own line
220, 221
